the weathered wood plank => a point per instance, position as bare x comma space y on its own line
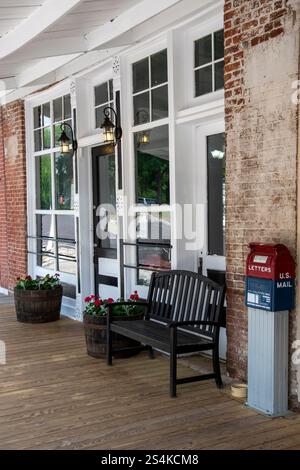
53, 396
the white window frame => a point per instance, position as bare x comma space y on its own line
30, 103
199, 31
148, 49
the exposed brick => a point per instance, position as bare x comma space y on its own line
260, 185
13, 250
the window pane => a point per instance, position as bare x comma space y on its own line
219, 44
101, 94
64, 185
67, 107
140, 75
203, 51
45, 228
43, 182
47, 138
46, 114
153, 226
37, 117
57, 110
219, 75
203, 81
157, 257
37, 140
111, 90
100, 115
66, 258
216, 194
159, 68
65, 227
160, 108
106, 201
141, 108
152, 168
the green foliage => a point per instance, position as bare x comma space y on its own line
97, 307
40, 283
153, 178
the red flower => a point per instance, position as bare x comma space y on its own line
28, 278
110, 300
87, 299
18, 278
92, 297
98, 302
135, 296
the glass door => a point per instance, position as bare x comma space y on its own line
211, 193
105, 223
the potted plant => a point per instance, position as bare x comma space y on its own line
38, 300
94, 321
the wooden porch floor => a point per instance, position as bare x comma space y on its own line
53, 396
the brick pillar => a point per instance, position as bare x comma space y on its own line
13, 243
261, 64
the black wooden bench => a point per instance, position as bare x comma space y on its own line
182, 315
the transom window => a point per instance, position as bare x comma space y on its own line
209, 63
54, 182
104, 96
150, 88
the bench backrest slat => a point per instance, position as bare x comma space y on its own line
184, 296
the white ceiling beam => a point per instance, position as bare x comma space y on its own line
42, 68
44, 48
43, 17
134, 16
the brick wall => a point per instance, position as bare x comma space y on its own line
13, 251
261, 63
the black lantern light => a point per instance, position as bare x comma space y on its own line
112, 132
67, 145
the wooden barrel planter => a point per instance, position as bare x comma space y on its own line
38, 306
95, 336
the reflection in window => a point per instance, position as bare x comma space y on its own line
45, 228
153, 243
152, 167
216, 194
64, 186
107, 228
209, 63
150, 85
43, 182
104, 97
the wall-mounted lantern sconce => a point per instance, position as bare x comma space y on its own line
112, 132
67, 146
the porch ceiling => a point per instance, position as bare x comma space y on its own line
37, 37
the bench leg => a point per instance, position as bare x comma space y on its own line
108, 346
217, 368
173, 363
151, 353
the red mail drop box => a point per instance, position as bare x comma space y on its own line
270, 262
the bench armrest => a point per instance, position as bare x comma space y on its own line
176, 324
